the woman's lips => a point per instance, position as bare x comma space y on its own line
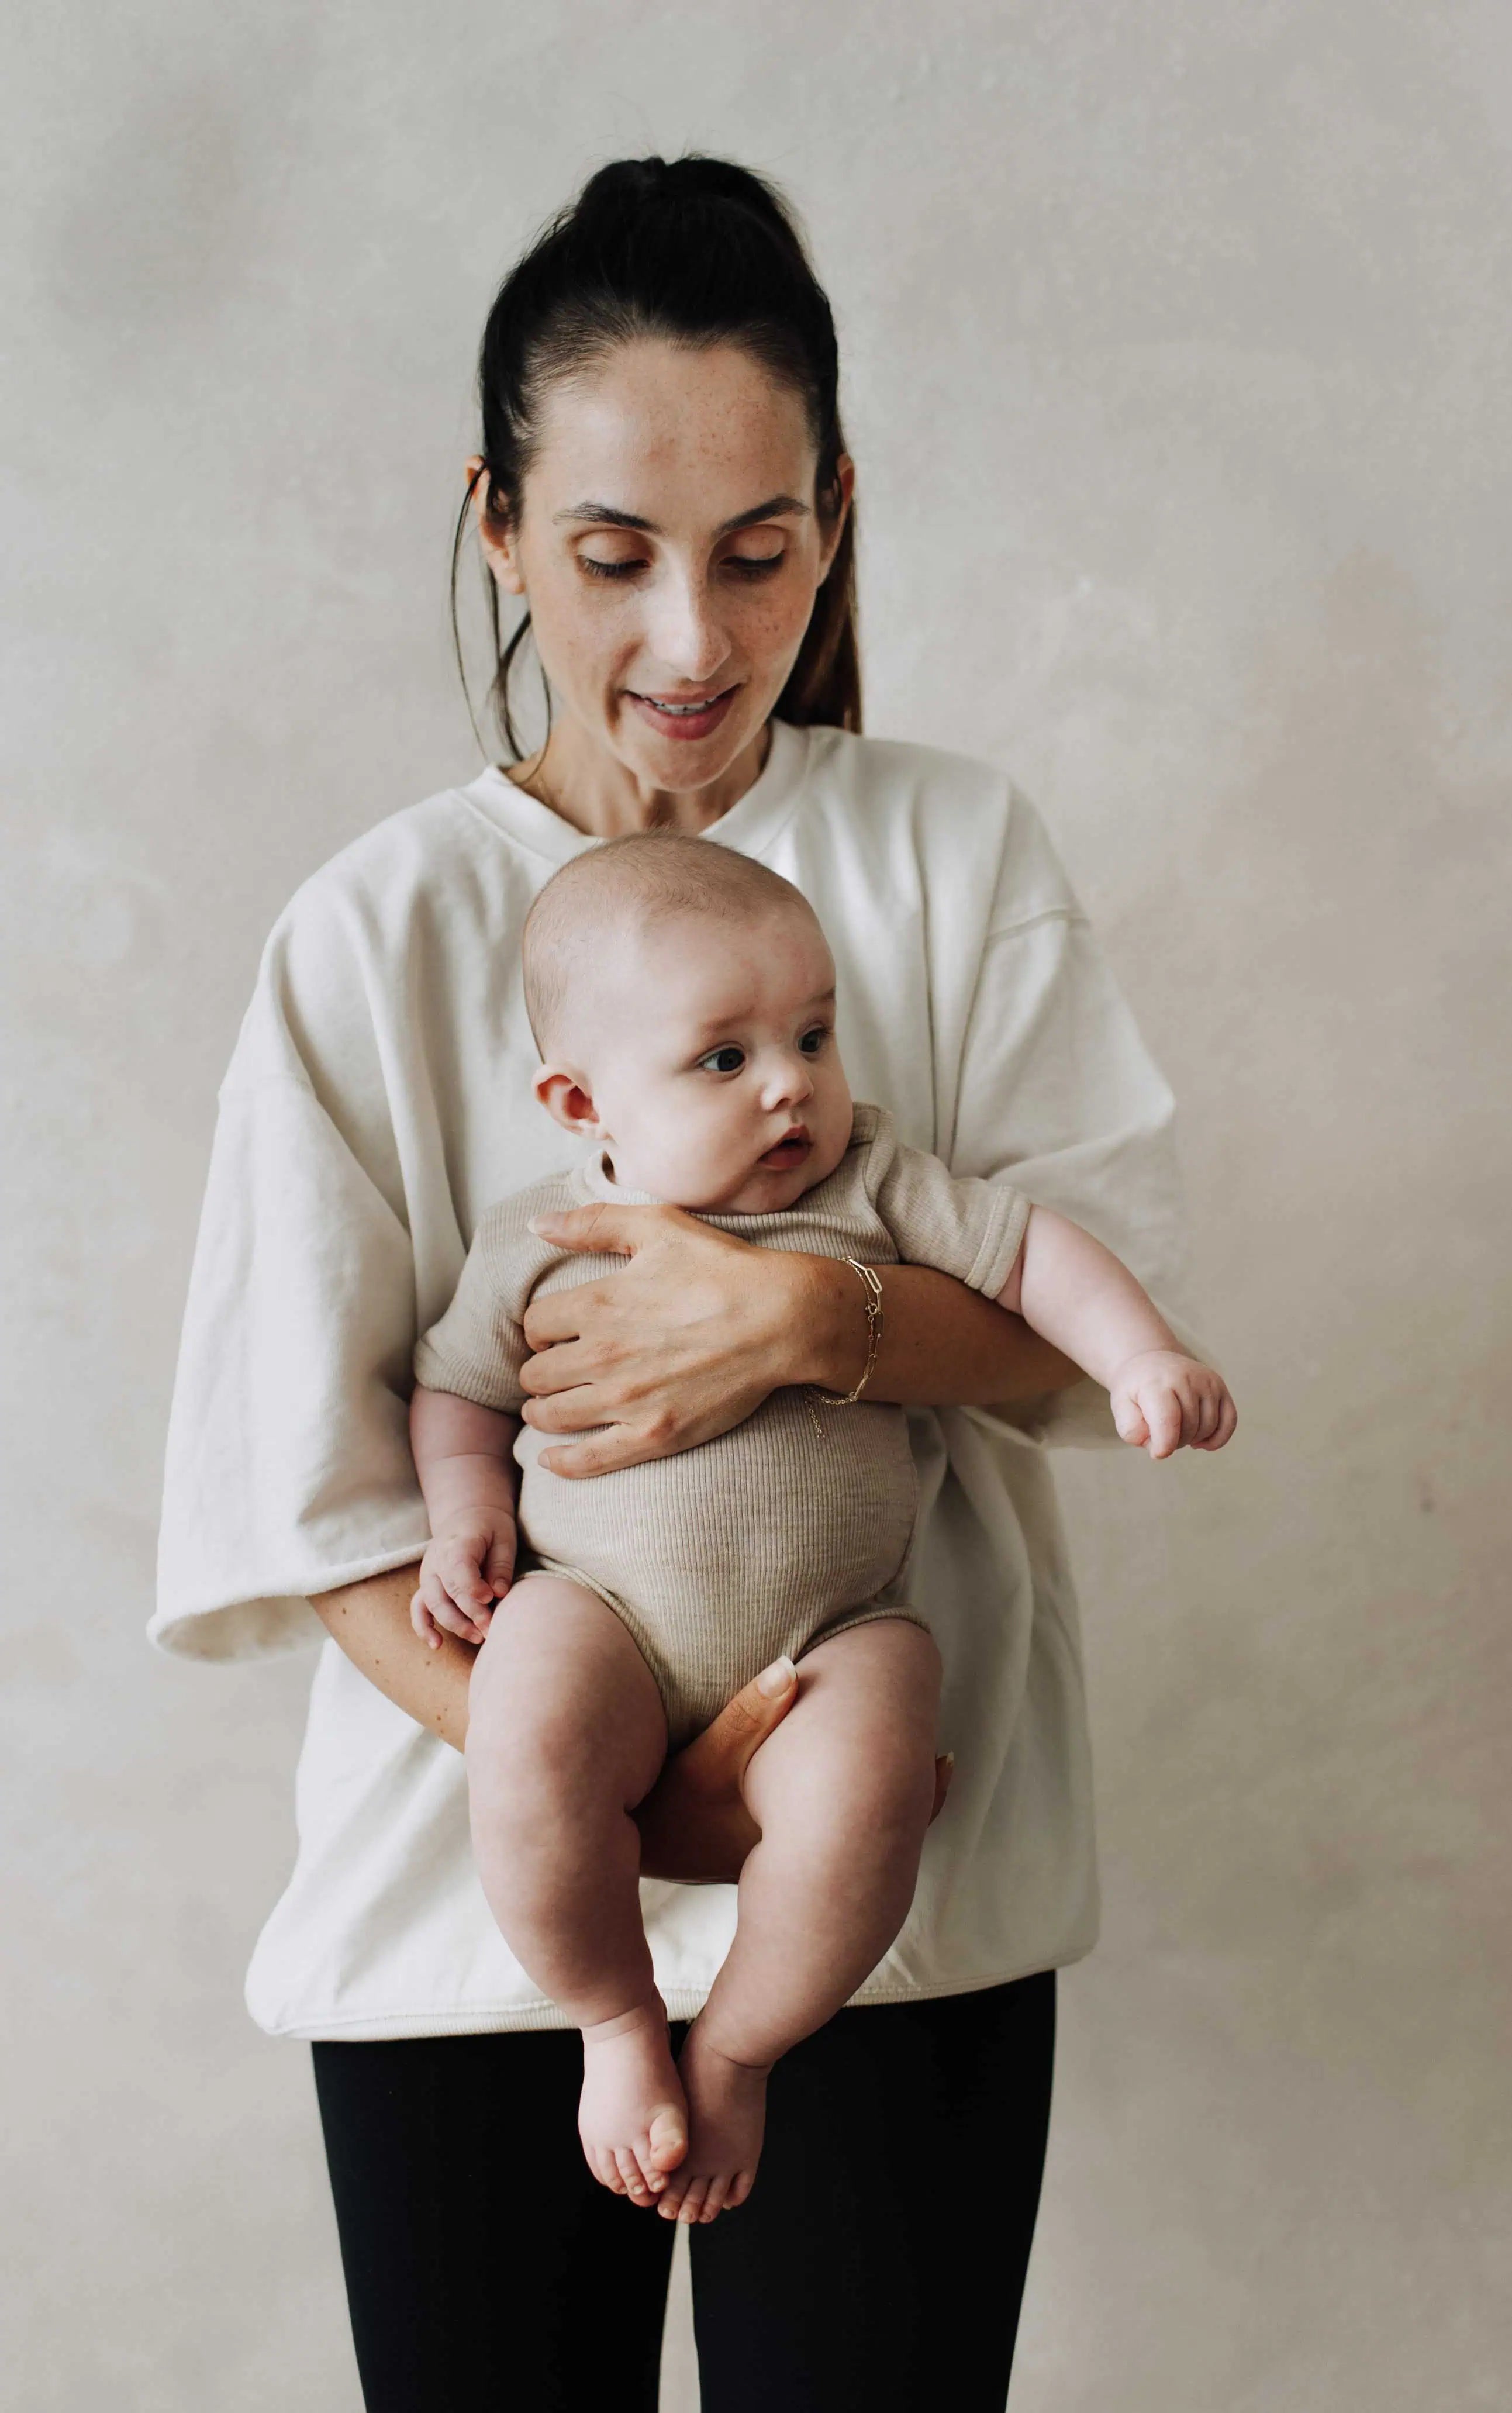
684, 725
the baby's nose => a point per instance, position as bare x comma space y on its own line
793, 1083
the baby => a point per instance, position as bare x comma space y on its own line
682, 996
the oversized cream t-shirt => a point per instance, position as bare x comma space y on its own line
379, 1099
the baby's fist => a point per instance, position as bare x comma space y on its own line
1163, 1402
464, 1571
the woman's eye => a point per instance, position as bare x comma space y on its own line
609, 568
720, 1058
756, 564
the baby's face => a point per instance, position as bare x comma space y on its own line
717, 1084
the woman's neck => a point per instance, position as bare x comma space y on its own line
597, 792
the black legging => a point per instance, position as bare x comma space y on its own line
877, 2267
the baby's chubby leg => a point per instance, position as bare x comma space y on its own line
842, 1792
566, 1734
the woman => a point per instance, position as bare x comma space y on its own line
663, 480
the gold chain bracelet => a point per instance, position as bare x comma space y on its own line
874, 1334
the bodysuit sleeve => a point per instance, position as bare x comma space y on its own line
956, 1223
476, 1348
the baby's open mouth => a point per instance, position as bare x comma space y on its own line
789, 1151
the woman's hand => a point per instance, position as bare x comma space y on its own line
688, 1339
685, 1343
694, 1823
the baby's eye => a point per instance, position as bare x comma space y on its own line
818, 1035
719, 1058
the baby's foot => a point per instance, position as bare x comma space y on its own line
631, 2117
727, 2114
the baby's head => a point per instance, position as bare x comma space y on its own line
682, 996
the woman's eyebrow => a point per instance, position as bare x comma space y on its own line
605, 515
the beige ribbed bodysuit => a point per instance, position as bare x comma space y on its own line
770, 1537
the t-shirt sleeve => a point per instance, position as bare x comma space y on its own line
1060, 1097
958, 1224
288, 1468
476, 1348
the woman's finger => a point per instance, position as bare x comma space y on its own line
602, 1457
742, 1726
563, 1409
555, 1366
694, 1823
601, 1227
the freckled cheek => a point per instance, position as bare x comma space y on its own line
776, 625
584, 642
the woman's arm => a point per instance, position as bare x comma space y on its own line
698, 1327
370, 1622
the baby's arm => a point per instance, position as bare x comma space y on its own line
1077, 1293
463, 1458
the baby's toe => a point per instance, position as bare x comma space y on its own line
714, 2201
631, 2181
691, 2209
670, 2201
666, 2143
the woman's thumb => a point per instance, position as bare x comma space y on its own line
757, 1708
775, 1681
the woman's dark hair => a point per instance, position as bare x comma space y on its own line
693, 251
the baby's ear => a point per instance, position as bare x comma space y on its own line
564, 1093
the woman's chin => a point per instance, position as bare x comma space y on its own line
657, 752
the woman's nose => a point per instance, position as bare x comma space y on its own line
685, 633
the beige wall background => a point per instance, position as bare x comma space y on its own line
1178, 370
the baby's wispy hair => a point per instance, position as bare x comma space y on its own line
642, 879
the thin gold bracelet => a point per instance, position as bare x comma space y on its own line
874, 1334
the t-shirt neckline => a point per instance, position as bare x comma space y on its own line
750, 822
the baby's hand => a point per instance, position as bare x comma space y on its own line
1163, 1401
464, 1571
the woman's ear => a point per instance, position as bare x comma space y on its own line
845, 481
561, 1092
496, 541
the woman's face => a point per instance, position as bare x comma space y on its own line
670, 549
